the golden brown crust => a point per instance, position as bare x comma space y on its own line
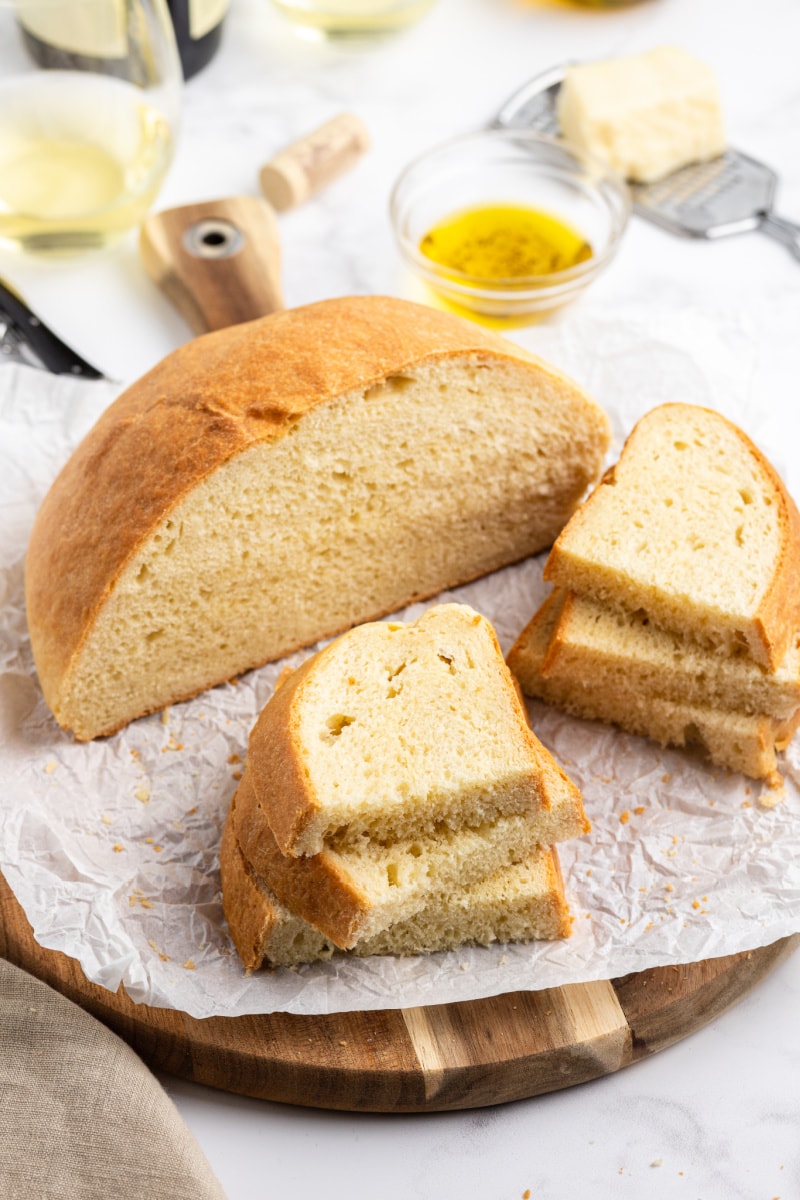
314, 888
518, 657
784, 731
278, 776
205, 403
778, 614
555, 880
251, 918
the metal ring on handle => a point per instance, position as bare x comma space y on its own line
213, 238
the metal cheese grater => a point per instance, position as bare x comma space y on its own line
730, 194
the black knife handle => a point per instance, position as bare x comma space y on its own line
53, 354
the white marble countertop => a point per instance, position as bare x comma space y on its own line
718, 1115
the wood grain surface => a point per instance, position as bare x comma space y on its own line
218, 262
448, 1056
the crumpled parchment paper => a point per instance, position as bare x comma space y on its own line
112, 847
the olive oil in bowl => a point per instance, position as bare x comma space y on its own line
503, 247
504, 242
505, 226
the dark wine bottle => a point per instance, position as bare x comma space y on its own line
198, 31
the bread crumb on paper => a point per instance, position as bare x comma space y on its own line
154, 946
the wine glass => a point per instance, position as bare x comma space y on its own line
352, 20
89, 104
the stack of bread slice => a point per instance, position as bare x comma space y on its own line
676, 601
395, 801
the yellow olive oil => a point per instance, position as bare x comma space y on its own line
504, 242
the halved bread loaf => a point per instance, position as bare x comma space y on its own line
397, 731
520, 903
356, 892
274, 483
624, 651
694, 527
738, 741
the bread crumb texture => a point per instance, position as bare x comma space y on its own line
395, 801
276, 483
394, 730
675, 608
693, 526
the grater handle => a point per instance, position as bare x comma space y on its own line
786, 232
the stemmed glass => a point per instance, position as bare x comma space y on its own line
90, 96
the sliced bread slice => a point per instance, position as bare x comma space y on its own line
620, 650
695, 527
395, 731
736, 741
357, 892
523, 902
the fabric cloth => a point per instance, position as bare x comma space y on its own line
81, 1116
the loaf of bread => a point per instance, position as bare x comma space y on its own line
523, 902
738, 741
694, 527
618, 650
394, 731
274, 483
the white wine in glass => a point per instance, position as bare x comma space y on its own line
89, 108
352, 20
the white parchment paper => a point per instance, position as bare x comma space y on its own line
112, 847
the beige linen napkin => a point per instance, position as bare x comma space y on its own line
81, 1116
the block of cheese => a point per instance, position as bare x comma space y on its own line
646, 114
521, 902
279, 481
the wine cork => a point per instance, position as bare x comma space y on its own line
301, 169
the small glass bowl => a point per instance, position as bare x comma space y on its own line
509, 167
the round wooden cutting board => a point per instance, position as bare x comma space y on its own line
447, 1056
